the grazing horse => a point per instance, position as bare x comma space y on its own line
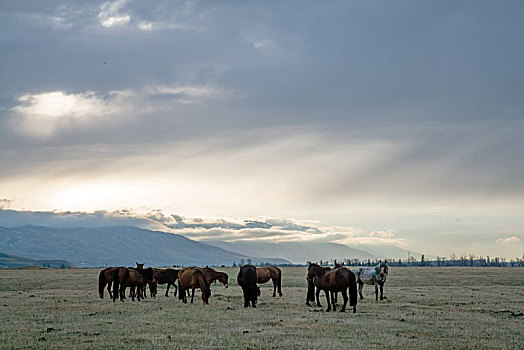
189, 278
331, 281
264, 274
168, 276
247, 279
128, 277
372, 275
213, 275
105, 278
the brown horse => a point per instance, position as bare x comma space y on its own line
311, 288
167, 276
105, 278
213, 275
334, 280
152, 285
189, 278
264, 274
135, 278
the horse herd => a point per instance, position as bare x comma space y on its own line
332, 281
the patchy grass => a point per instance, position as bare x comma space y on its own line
425, 308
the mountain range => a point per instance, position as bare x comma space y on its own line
112, 246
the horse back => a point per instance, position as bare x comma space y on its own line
166, 276
338, 279
108, 273
135, 278
192, 277
247, 276
264, 274
365, 275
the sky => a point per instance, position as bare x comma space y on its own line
371, 121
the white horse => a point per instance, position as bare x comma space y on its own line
372, 275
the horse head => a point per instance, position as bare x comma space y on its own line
206, 295
153, 288
224, 279
139, 266
312, 271
381, 270
149, 274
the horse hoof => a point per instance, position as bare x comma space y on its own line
342, 310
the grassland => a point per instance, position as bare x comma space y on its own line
425, 308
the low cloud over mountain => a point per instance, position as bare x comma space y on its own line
295, 240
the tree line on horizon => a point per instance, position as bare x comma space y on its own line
468, 260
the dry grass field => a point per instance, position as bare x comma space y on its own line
425, 308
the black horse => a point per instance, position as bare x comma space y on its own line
247, 279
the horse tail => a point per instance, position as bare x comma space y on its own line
116, 281
101, 284
279, 281
352, 288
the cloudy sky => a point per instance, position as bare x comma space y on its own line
396, 122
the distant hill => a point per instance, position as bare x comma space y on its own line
93, 247
297, 252
7, 260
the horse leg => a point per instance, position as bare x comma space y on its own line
360, 286
109, 286
382, 291
333, 302
167, 290
174, 286
246, 299
192, 294
376, 291
274, 288
345, 297
336, 297
318, 299
327, 298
